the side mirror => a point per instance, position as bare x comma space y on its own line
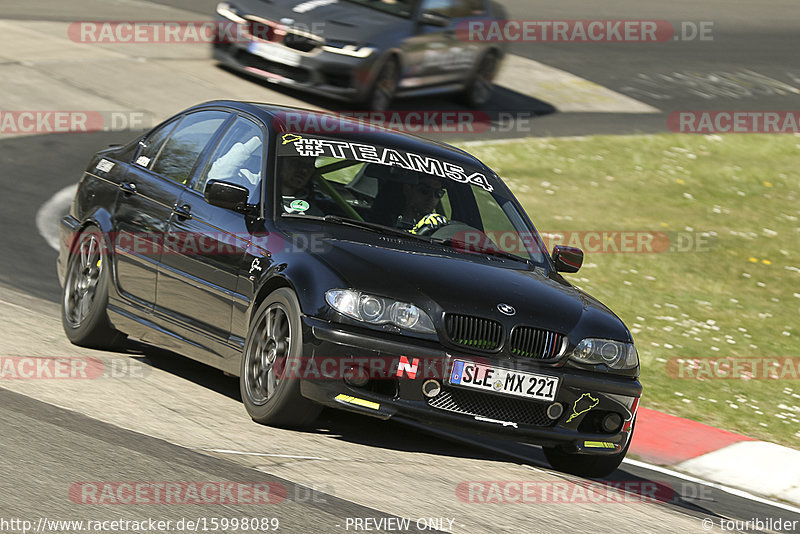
434, 19
567, 259
226, 195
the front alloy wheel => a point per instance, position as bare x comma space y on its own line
480, 88
385, 86
268, 380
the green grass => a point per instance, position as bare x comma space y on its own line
739, 297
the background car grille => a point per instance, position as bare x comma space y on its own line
300, 42
530, 342
491, 406
474, 332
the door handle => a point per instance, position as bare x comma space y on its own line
182, 212
128, 188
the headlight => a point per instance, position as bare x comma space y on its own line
379, 310
614, 354
230, 12
348, 49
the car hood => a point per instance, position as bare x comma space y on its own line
439, 281
340, 20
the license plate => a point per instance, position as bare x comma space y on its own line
274, 52
488, 378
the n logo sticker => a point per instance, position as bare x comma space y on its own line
409, 368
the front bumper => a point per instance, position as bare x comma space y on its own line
498, 415
325, 73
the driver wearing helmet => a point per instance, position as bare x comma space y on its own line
419, 212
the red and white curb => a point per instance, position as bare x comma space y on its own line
718, 456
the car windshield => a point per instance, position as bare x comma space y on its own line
401, 191
402, 8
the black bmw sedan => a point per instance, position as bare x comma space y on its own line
357, 268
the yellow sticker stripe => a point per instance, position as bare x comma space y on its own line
599, 444
358, 402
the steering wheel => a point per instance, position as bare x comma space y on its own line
429, 224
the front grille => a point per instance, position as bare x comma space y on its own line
534, 343
474, 332
491, 406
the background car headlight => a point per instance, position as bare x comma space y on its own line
379, 310
613, 354
348, 49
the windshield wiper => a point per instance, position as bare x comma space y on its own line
366, 225
462, 246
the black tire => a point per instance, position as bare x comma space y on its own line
84, 298
481, 86
585, 465
275, 334
384, 87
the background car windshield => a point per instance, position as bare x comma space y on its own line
475, 216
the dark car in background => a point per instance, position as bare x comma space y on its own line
364, 269
366, 52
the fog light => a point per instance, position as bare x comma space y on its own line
356, 376
555, 410
431, 388
612, 422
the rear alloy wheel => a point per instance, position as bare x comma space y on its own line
480, 88
385, 86
85, 296
270, 392
586, 465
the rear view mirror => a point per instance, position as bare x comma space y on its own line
226, 195
567, 259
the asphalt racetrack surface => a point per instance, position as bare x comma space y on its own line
185, 422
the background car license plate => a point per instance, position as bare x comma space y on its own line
500, 380
274, 52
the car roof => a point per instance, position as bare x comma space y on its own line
274, 117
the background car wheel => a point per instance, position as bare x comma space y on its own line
480, 88
585, 465
274, 340
85, 294
385, 86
